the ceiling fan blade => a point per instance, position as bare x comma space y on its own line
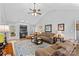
30, 12
39, 13
30, 9
39, 10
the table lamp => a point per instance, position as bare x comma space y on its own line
3, 30
60, 35
2, 37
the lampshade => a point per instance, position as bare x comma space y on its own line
34, 14
59, 32
2, 37
4, 28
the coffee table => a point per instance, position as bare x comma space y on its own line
37, 40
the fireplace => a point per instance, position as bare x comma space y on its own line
23, 31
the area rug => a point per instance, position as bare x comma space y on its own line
27, 48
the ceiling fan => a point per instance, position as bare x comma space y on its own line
34, 11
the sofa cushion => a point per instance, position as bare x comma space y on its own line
47, 34
47, 39
56, 46
44, 52
58, 53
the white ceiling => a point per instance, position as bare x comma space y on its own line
18, 12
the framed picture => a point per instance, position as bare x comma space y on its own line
48, 28
61, 27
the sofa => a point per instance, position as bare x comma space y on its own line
58, 49
47, 37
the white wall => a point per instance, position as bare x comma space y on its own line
67, 17
3, 18
0, 14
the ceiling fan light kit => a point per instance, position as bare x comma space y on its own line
34, 11
34, 14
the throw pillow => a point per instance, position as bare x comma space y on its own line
58, 53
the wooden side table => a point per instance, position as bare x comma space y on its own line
8, 50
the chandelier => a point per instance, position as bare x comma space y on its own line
35, 11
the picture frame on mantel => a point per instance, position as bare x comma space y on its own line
61, 27
48, 28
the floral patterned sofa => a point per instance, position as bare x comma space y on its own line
57, 49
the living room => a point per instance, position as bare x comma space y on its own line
34, 34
